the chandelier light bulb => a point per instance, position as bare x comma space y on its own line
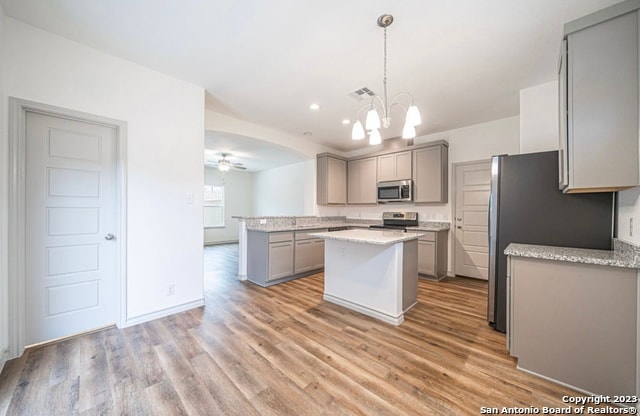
408, 131
374, 137
373, 120
357, 132
413, 116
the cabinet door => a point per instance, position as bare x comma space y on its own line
280, 260
403, 166
303, 256
430, 175
318, 254
337, 181
368, 182
387, 168
563, 176
362, 181
427, 257
331, 177
354, 168
603, 105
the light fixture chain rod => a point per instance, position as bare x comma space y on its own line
384, 79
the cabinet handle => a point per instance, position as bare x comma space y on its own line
459, 219
459, 227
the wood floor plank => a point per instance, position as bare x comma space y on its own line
282, 350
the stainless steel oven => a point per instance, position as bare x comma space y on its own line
395, 191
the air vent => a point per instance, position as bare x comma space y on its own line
363, 93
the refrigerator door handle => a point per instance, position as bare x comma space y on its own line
493, 236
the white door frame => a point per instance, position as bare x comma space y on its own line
17, 208
453, 207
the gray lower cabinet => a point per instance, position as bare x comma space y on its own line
432, 254
599, 101
280, 260
277, 257
574, 323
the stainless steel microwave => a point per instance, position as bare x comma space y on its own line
395, 191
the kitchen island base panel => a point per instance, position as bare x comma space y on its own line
393, 320
378, 280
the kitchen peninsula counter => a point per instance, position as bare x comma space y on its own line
372, 272
623, 255
586, 302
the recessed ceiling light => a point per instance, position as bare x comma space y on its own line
346, 121
307, 133
314, 107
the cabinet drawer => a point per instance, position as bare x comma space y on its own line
304, 235
278, 237
429, 236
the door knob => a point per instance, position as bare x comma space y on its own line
109, 237
459, 226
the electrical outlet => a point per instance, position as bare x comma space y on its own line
631, 227
171, 289
189, 198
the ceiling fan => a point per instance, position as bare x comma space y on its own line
225, 164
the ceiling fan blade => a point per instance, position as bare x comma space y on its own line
239, 167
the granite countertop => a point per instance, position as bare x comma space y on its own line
369, 236
272, 228
431, 226
280, 224
622, 256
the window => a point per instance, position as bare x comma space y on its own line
213, 206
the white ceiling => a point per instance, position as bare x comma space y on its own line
464, 61
254, 154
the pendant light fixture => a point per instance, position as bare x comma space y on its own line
378, 114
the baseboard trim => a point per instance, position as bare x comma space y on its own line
393, 320
217, 243
163, 312
4, 357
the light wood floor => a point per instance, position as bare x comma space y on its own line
282, 351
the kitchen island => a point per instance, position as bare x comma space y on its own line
372, 272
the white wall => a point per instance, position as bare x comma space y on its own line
539, 118
286, 190
4, 273
165, 123
238, 194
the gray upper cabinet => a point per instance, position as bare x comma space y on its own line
430, 174
361, 181
331, 180
394, 166
598, 86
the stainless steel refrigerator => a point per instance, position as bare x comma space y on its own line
526, 206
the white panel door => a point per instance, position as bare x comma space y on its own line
70, 218
473, 185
